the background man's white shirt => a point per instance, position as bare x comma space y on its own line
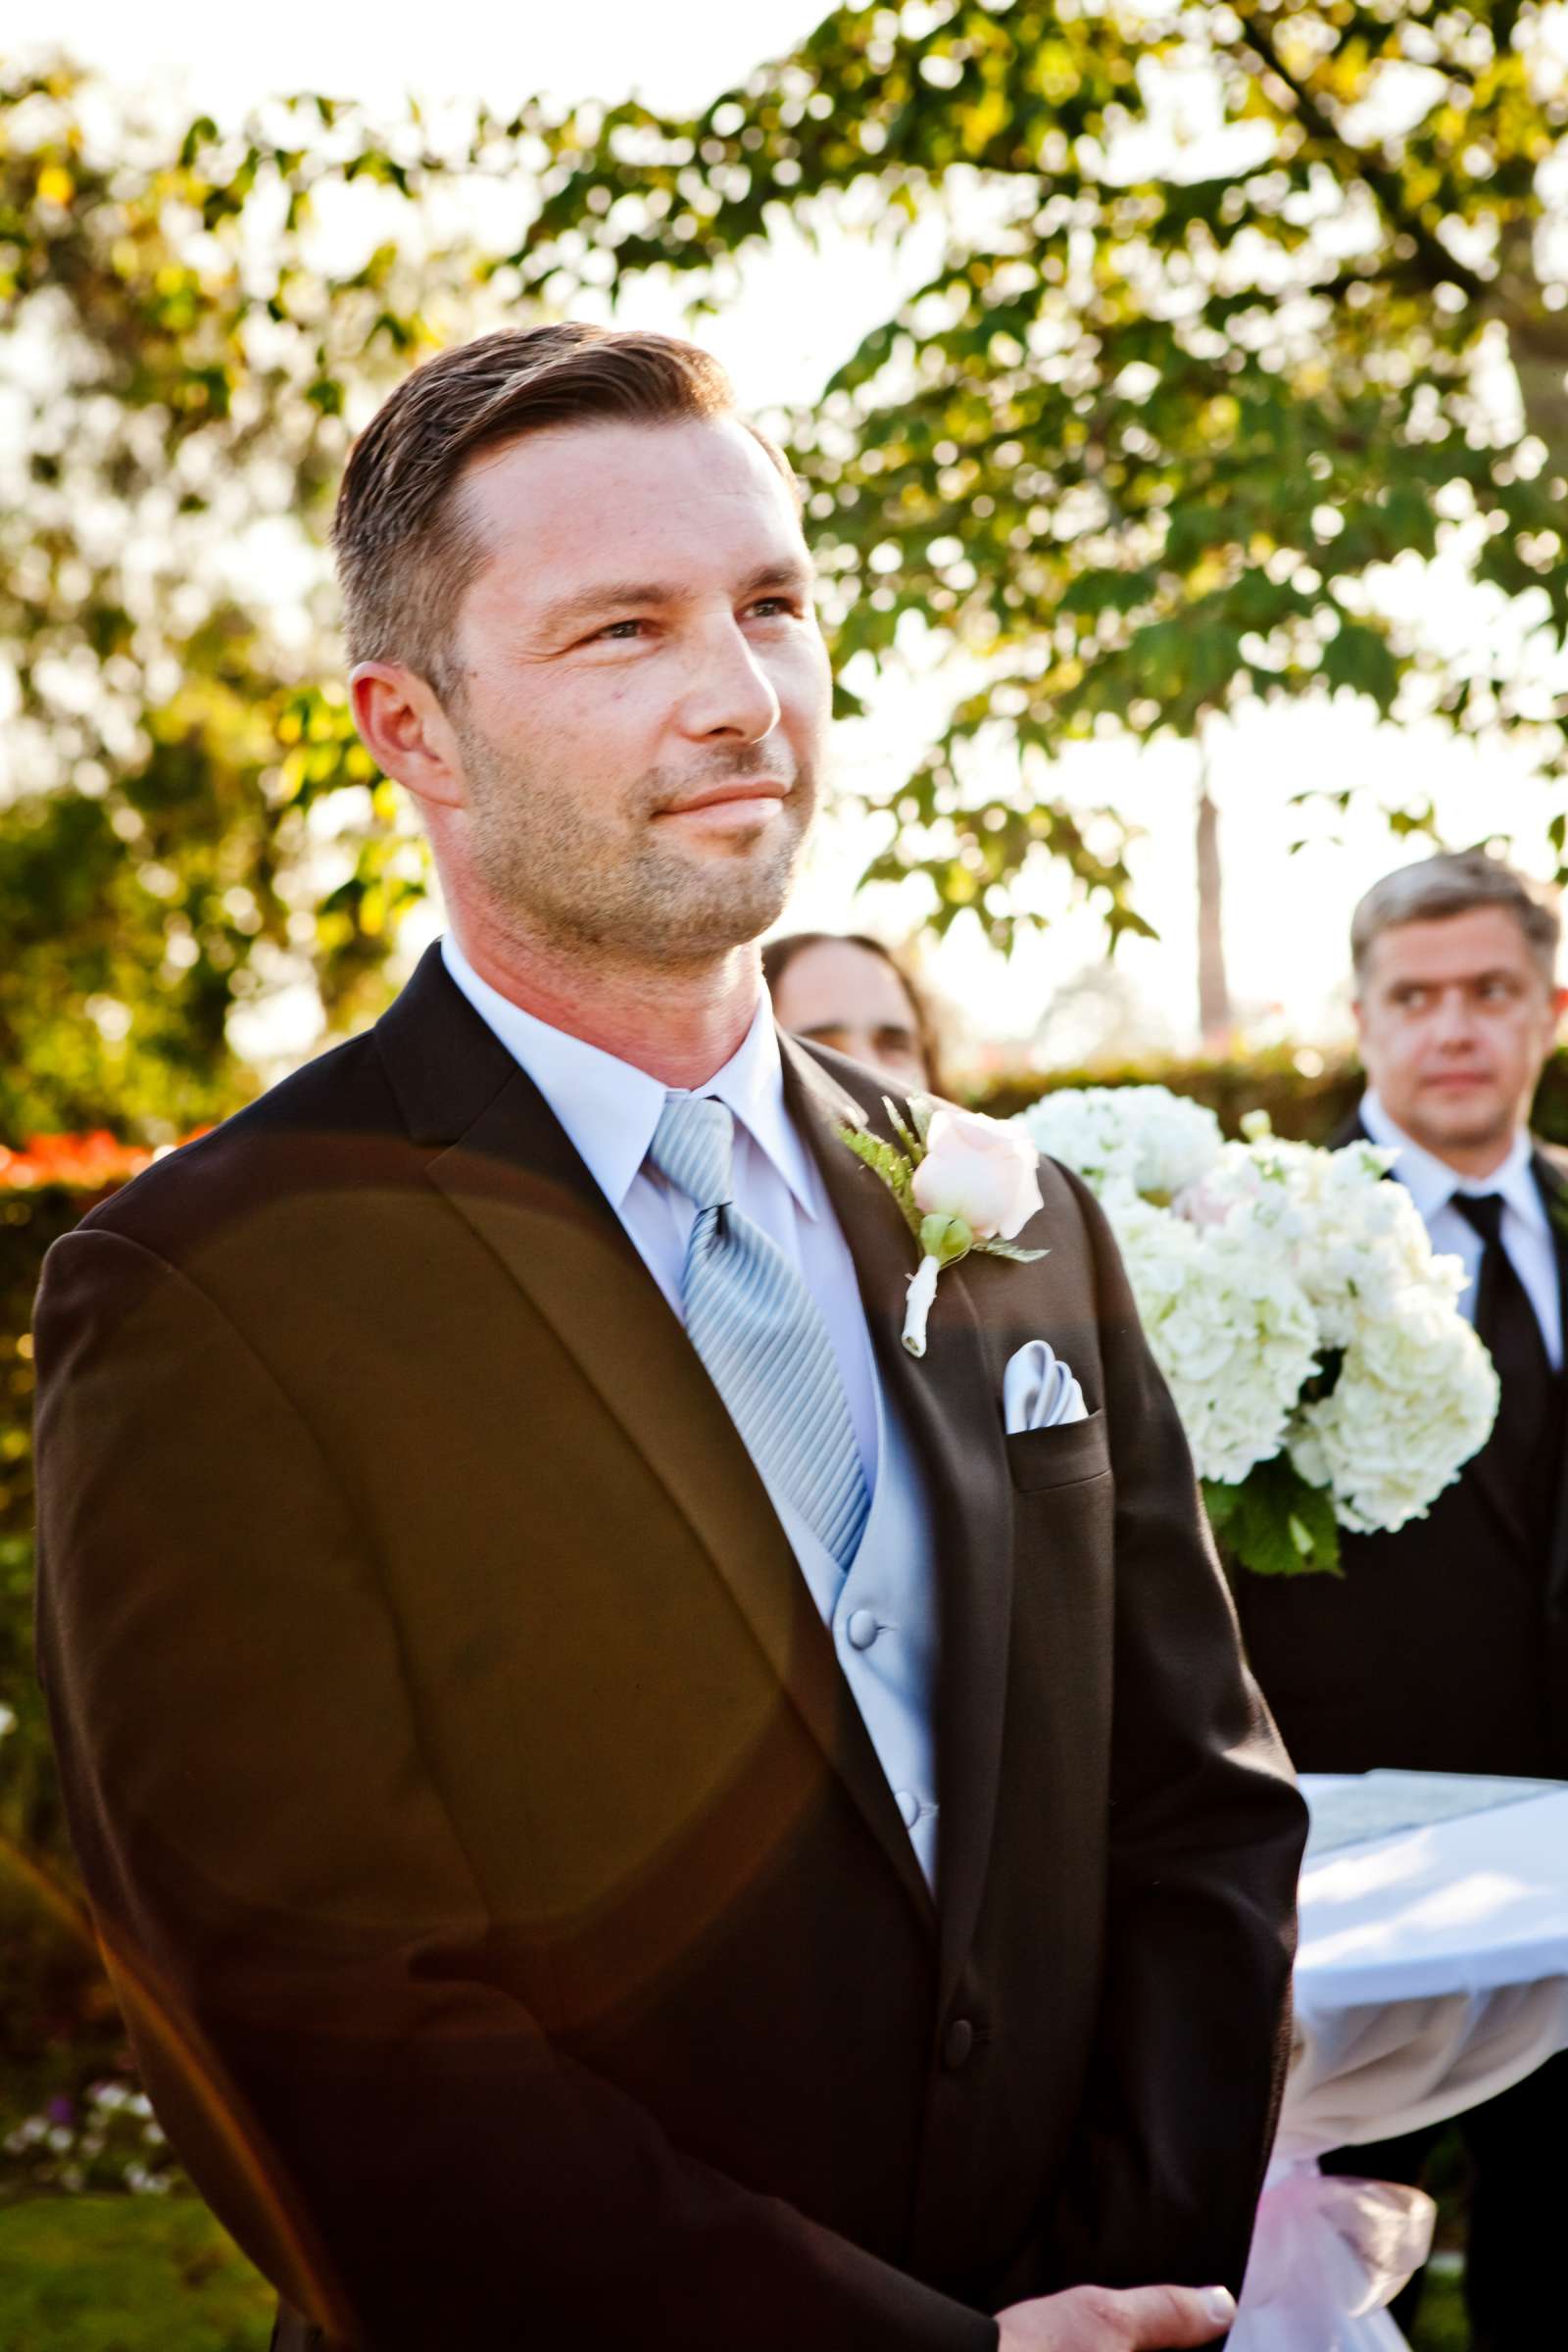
1526, 1229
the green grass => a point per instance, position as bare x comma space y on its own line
1442, 2326
127, 2275
158, 2274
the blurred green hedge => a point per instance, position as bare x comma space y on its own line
1307, 1094
58, 2027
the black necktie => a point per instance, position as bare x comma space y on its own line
1520, 1445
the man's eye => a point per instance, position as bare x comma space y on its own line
770, 608
617, 632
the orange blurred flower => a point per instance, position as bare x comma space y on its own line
94, 1162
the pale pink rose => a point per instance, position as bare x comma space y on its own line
981, 1170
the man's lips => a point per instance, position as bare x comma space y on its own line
718, 796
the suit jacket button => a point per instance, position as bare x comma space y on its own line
957, 2043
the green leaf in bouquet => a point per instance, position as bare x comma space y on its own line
1274, 1523
1001, 1249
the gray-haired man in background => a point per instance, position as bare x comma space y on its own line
1445, 1647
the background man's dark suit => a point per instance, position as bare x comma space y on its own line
523, 1942
1445, 1648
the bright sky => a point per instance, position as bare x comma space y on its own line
798, 315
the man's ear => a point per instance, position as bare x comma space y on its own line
406, 731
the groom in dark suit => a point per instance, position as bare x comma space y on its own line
1444, 1646
624, 1809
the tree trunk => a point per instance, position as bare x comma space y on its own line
1538, 343
1214, 1014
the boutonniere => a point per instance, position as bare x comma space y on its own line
962, 1181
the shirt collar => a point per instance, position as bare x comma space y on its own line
1432, 1184
610, 1108
752, 1084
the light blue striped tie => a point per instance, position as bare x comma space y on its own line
759, 1335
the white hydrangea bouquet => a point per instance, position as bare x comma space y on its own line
1314, 1343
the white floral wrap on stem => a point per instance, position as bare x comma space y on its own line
917, 1305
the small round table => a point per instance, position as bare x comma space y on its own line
1432, 1972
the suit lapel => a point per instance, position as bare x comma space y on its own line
1489, 1475
506, 1166
1553, 1183
950, 1406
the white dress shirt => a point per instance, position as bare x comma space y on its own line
1526, 1229
882, 1614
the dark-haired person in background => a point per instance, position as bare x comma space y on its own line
629, 1812
848, 991
1444, 1646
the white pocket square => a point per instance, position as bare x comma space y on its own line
1039, 1391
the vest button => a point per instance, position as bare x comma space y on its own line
862, 1629
957, 2043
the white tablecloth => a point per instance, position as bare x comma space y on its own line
1432, 1972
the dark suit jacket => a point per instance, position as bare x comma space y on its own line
1444, 1646
521, 1942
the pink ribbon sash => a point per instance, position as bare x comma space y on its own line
1329, 2253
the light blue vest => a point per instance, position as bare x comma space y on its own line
882, 1618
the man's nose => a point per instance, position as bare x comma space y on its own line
729, 694
1454, 1024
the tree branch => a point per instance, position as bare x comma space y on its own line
1436, 264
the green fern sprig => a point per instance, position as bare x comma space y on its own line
892, 1167
913, 1143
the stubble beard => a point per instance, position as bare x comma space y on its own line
622, 894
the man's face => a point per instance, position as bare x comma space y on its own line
1457, 1019
645, 692
841, 995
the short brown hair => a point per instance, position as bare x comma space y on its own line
405, 550
1456, 882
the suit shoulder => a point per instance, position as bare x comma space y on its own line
1061, 1192
1555, 1157
869, 1089
325, 1124
857, 1078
